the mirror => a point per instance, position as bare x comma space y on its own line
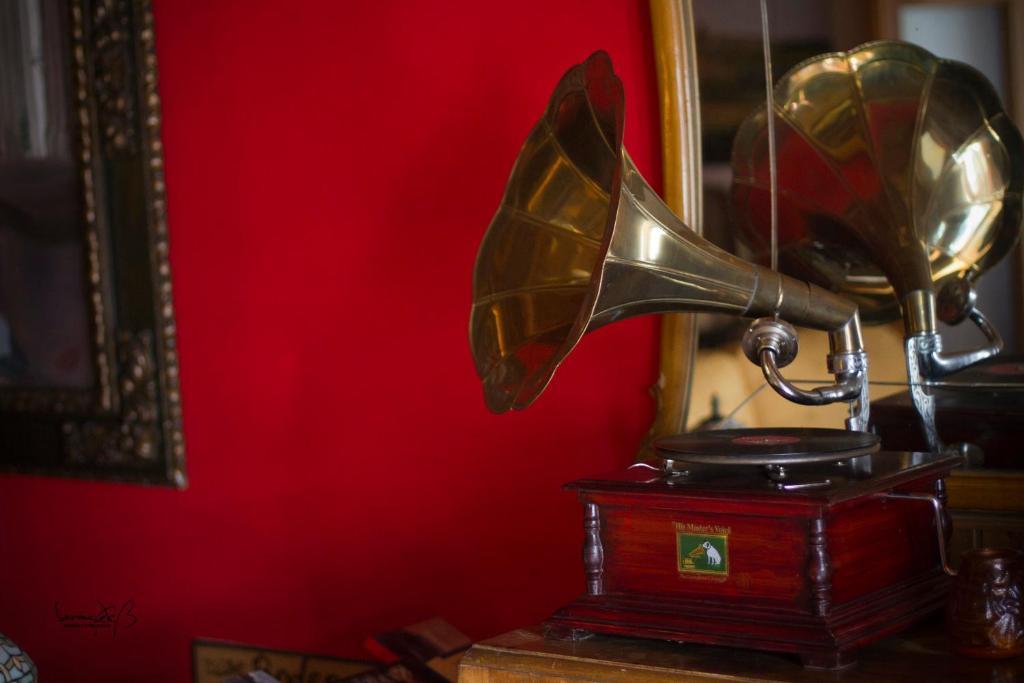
88, 361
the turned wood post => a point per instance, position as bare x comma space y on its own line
593, 551
947, 519
819, 569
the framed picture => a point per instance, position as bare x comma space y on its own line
88, 360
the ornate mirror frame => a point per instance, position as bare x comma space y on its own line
127, 425
675, 58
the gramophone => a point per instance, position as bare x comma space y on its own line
899, 183
792, 540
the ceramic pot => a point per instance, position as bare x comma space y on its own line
15, 666
984, 616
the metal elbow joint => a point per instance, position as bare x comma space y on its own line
772, 344
955, 302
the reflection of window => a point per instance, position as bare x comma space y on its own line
44, 309
12, 365
5, 339
35, 78
34, 87
967, 33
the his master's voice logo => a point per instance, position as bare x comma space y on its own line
702, 549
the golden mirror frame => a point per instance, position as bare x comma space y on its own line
675, 57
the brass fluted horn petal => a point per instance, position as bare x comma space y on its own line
897, 172
532, 283
580, 240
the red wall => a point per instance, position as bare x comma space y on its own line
331, 168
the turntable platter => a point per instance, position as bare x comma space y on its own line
771, 446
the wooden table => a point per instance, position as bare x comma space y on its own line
920, 655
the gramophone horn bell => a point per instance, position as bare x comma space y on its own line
581, 240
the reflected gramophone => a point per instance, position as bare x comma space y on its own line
899, 183
758, 538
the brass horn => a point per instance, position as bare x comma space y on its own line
581, 240
899, 182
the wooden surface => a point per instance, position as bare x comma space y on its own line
986, 489
524, 655
818, 572
986, 502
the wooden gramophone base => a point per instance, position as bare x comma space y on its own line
726, 559
821, 642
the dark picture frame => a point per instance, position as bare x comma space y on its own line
124, 423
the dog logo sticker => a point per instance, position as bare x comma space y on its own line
702, 549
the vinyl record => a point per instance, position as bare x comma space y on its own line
769, 446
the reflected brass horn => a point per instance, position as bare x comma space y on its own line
581, 240
899, 183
